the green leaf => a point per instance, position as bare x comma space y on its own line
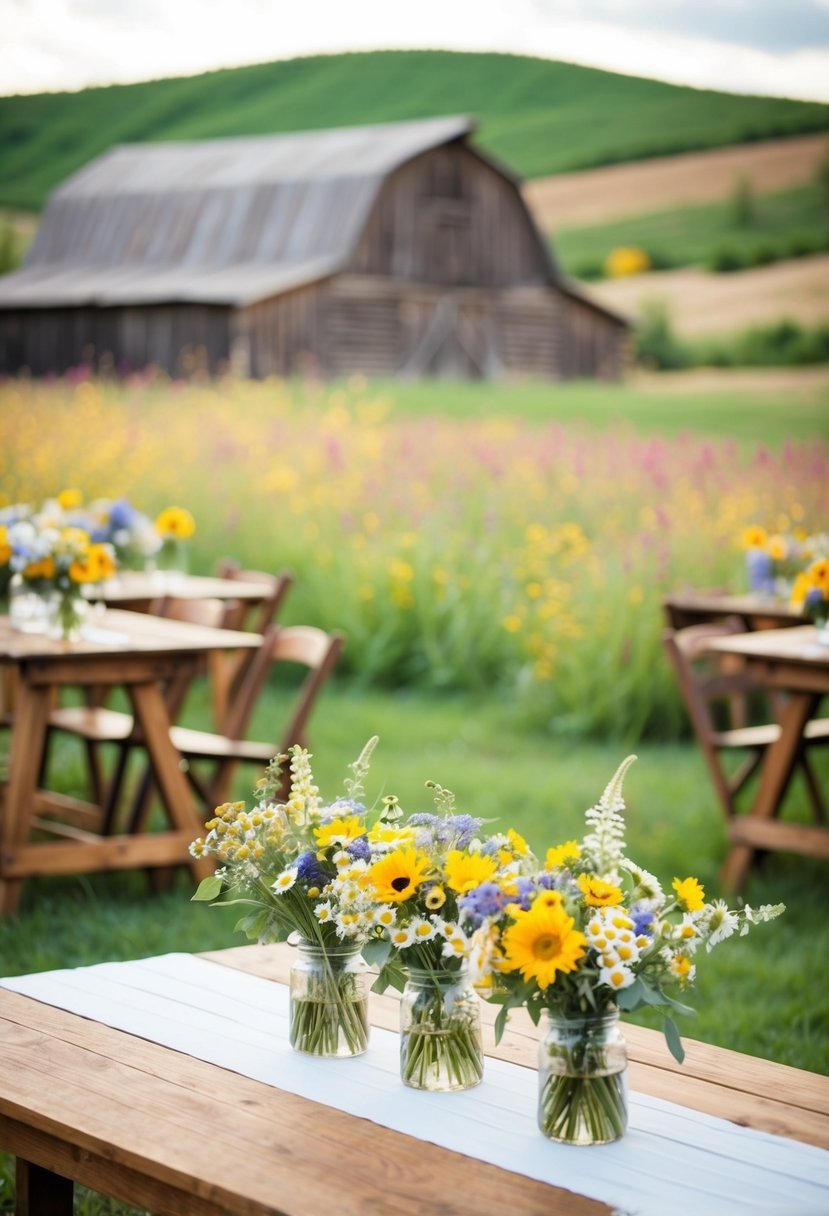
209, 888
673, 1040
631, 997
501, 1022
376, 952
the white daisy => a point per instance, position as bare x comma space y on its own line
423, 930
401, 937
284, 881
323, 912
721, 924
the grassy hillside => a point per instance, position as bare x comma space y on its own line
538, 116
790, 223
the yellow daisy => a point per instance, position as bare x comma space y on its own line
465, 871
346, 827
598, 893
561, 854
690, 894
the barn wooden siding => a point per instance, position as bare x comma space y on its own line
391, 250
179, 338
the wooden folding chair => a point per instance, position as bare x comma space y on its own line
227, 670
303, 646
705, 683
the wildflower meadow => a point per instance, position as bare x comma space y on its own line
501, 553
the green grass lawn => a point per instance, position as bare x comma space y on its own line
539, 116
783, 225
652, 406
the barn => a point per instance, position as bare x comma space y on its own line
394, 250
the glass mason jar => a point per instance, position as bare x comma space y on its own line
29, 605
328, 1001
171, 562
440, 1031
582, 1079
66, 614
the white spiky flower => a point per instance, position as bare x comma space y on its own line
603, 845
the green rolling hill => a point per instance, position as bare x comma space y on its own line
538, 116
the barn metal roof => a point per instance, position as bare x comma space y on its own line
226, 221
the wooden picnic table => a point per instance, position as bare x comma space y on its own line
792, 662
690, 607
153, 660
82, 1101
137, 591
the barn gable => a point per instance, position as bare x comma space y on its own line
390, 249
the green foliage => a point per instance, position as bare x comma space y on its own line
654, 344
742, 205
540, 117
782, 344
792, 223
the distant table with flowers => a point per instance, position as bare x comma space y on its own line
136, 590
683, 608
153, 660
169, 1084
792, 662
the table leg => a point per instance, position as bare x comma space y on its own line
165, 760
27, 743
778, 766
42, 1193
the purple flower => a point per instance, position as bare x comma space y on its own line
341, 808
759, 570
486, 900
359, 849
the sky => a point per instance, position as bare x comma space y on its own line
776, 47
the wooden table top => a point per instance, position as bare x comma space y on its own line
134, 585
177, 1135
115, 632
745, 605
795, 648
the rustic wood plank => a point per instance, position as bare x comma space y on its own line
126, 852
146, 1111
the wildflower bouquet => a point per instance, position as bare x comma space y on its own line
810, 594
593, 934
297, 866
419, 886
56, 560
174, 526
773, 559
131, 533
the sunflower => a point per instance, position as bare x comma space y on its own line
754, 537
541, 942
465, 871
397, 876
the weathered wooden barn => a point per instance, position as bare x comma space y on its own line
392, 250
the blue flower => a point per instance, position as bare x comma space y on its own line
122, 515
309, 870
643, 921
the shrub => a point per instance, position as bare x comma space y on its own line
655, 344
724, 261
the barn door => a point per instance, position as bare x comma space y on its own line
453, 336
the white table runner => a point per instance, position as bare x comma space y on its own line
672, 1161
